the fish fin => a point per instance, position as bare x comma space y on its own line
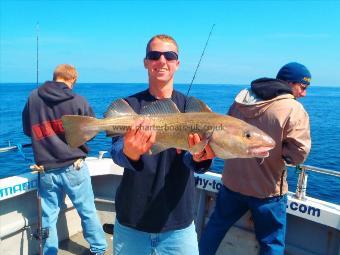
157, 148
78, 129
199, 147
208, 134
161, 106
195, 105
119, 108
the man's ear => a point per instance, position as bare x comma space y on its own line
74, 82
145, 63
177, 65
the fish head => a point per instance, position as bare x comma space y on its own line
241, 140
258, 142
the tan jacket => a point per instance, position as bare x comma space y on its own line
287, 122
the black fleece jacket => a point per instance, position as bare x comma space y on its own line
156, 193
41, 119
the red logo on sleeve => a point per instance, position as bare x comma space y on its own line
47, 129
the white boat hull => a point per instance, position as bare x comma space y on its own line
313, 225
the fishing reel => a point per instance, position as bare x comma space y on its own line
41, 234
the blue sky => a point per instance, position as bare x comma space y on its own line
106, 40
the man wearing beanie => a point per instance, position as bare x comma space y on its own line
297, 76
260, 185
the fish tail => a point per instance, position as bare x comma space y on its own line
79, 129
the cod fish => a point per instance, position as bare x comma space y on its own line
228, 137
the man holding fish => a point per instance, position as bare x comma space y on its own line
154, 200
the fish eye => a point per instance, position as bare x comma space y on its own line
247, 134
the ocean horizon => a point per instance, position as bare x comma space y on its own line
144, 83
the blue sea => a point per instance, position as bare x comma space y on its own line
322, 104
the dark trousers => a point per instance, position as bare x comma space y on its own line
269, 215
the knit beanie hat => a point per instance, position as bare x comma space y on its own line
294, 72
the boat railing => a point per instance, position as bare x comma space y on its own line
302, 170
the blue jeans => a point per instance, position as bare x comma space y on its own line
129, 241
77, 185
269, 215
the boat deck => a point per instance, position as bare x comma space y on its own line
78, 245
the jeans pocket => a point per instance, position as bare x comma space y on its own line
46, 182
76, 177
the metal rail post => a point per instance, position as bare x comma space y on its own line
301, 186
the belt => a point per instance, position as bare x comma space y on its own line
40, 168
78, 163
37, 169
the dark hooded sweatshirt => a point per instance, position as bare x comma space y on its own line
41, 119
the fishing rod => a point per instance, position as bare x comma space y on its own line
41, 233
37, 53
14, 147
199, 62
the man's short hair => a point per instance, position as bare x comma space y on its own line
162, 37
65, 72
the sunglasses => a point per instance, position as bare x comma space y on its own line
155, 55
303, 86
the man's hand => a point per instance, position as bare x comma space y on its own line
207, 152
139, 139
